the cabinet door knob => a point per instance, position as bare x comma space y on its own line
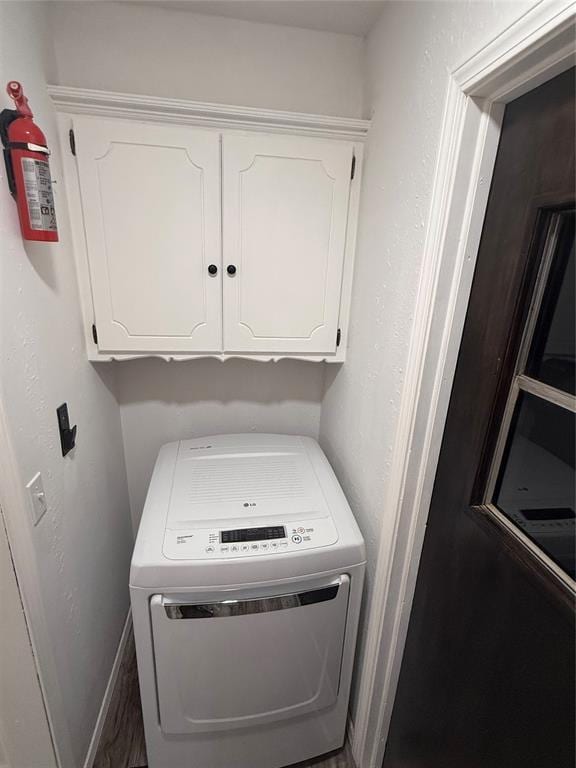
231, 269
213, 269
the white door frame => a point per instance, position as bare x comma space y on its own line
540, 45
25, 737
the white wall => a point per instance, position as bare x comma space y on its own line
163, 401
410, 52
179, 54
82, 545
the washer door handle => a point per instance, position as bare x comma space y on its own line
227, 608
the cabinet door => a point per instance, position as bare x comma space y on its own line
151, 204
249, 661
285, 204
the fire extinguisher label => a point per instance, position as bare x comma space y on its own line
38, 188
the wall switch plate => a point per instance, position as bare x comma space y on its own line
35, 489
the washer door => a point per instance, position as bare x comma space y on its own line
243, 662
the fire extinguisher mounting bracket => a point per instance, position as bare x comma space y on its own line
29, 146
7, 116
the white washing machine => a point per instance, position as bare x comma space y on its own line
245, 583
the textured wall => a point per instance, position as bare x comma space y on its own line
83, 543
184, 55
162, 401
410, 53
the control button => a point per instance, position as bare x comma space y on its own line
301, 530
245, 547
297, 539
254, 546
234, 548
223, 549
283, 544
264, 546
274, 545
209, 549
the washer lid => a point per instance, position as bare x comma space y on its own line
330, 541
232, 482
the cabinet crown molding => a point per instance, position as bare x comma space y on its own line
159, 109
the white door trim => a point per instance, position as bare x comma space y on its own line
17, 517
538, 46
25, 737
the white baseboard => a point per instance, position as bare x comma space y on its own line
95, 740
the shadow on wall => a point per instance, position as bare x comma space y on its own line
41, 257
161, 402
209, 380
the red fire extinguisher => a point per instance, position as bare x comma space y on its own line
26, 158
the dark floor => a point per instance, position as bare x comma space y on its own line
122, 741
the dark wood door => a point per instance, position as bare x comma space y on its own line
487, 678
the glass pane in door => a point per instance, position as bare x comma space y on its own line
551, 357
536, 484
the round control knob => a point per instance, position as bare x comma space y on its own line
231, 269
297, 539
213, 269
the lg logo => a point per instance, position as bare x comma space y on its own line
249, 503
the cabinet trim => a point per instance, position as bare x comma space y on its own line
86, 101
69, 192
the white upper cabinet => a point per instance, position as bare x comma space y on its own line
151, 204
206, 230
285, 210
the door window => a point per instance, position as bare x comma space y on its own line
532, 481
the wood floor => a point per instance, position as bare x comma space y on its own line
122, 741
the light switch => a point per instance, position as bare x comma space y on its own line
36, 490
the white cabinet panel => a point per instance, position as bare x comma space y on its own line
285, 207
151, 205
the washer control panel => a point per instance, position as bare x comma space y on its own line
204, 543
